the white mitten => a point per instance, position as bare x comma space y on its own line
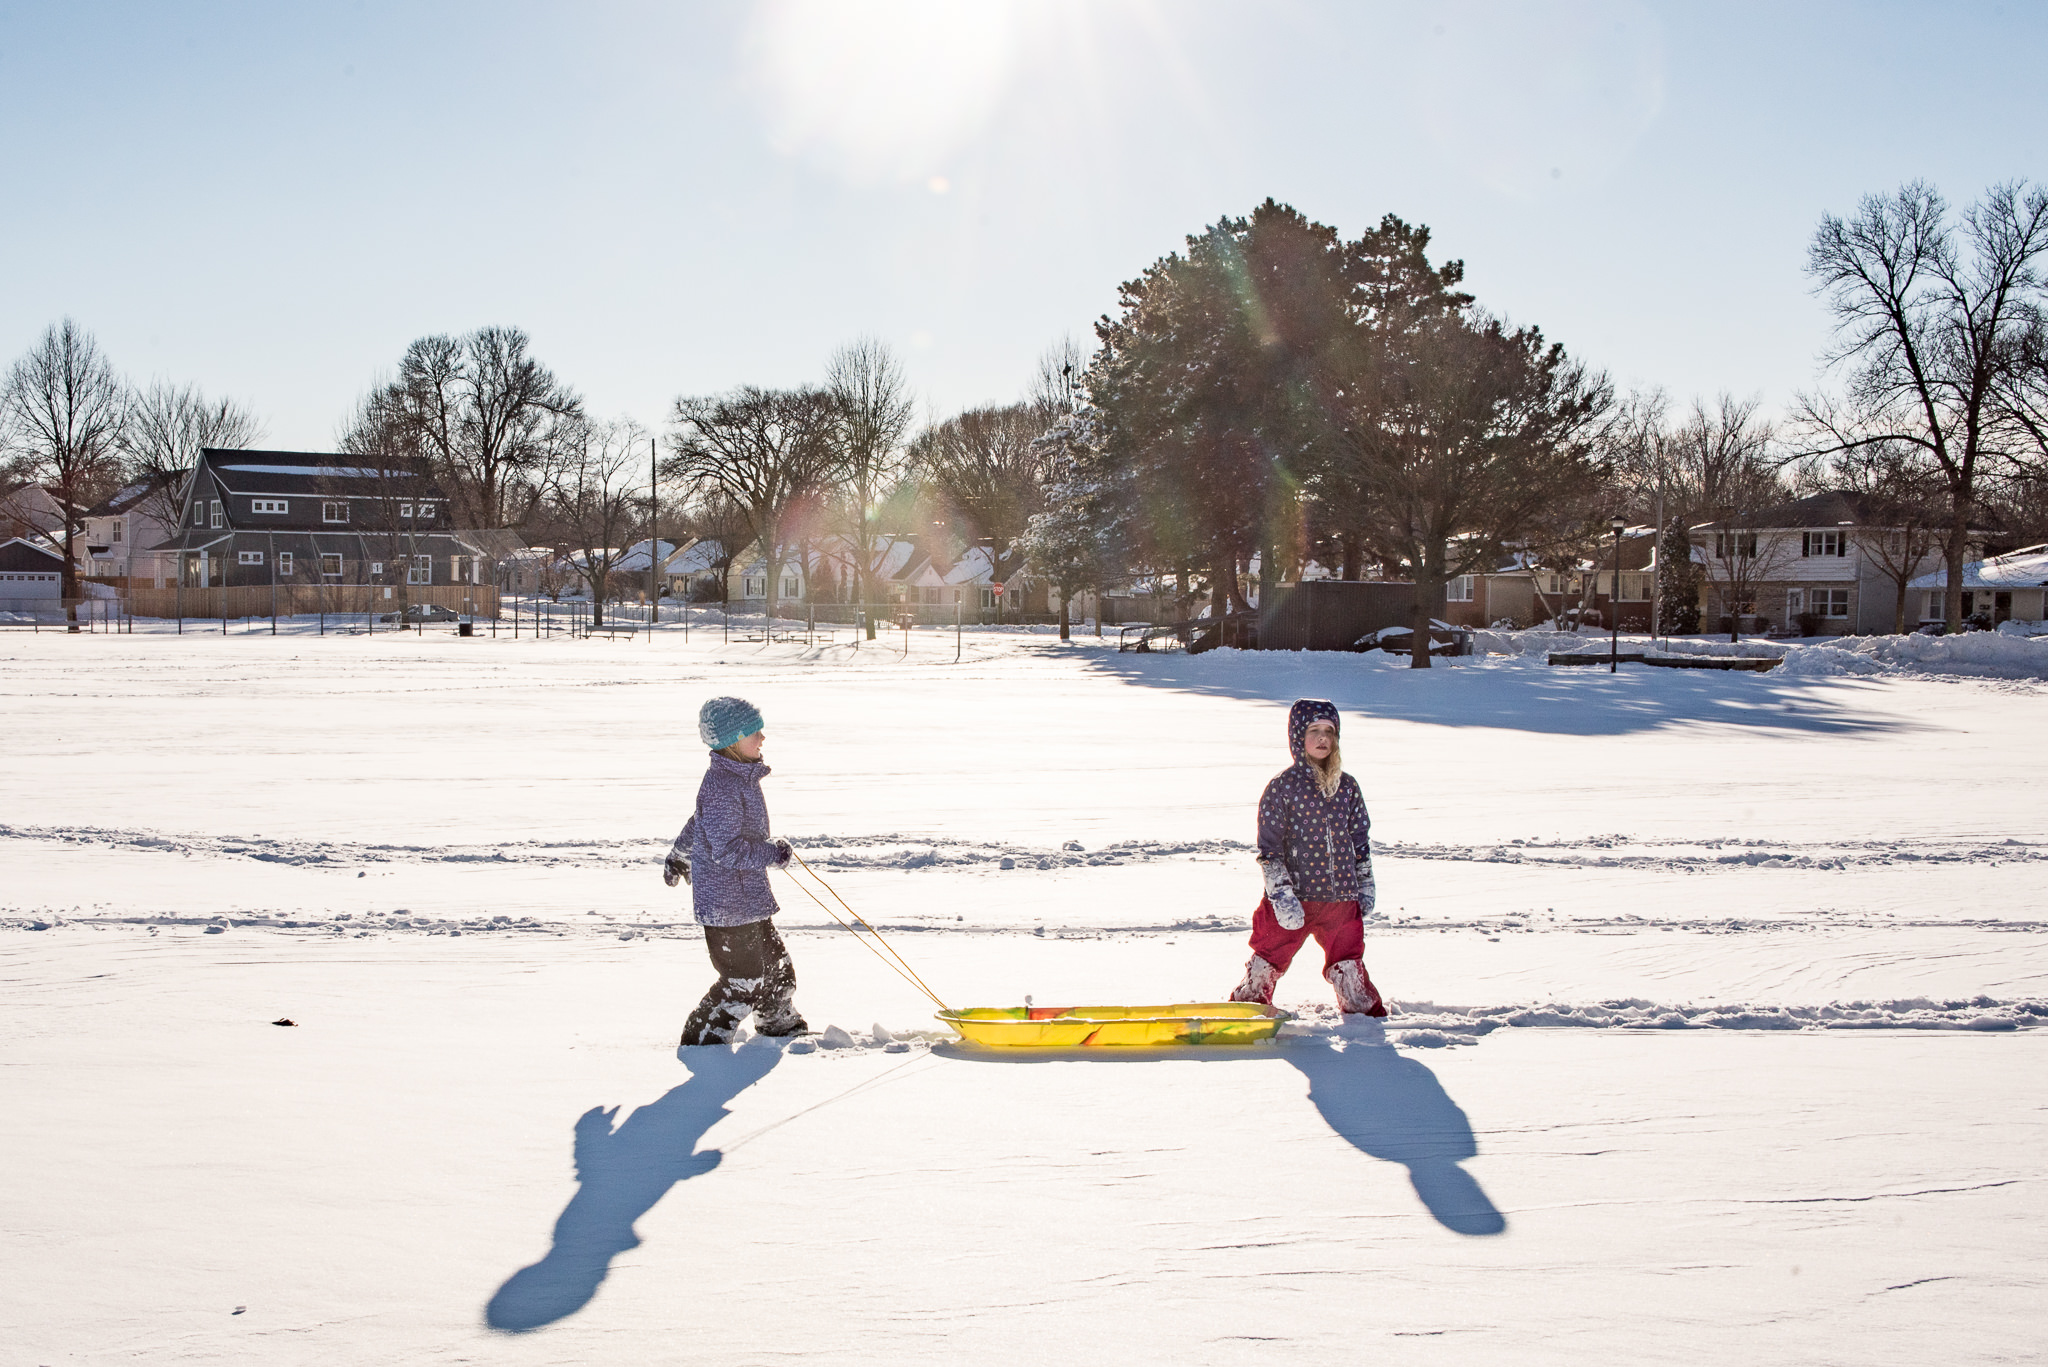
1280, 892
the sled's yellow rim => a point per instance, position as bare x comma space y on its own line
1078, 1027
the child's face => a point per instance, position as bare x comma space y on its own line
1320, 740
749, 747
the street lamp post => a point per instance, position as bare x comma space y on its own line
1619, 524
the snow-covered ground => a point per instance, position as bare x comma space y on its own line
1718, 1029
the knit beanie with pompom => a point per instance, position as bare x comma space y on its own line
723, 721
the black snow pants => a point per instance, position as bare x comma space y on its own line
754, 974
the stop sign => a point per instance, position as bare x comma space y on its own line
997, 589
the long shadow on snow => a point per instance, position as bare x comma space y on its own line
1564, 701
623, 1172
1380, 1101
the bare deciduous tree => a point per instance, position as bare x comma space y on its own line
767, 450
1932, 320
168, 426
62, 406
488, 420
871, 396
595, 502
986, 468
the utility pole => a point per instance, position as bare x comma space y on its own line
653, 537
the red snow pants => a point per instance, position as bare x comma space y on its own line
1338, 927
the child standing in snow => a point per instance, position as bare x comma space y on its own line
1317, 862
728, 845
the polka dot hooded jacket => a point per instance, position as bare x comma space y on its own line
1322, 841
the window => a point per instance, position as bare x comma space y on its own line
1459, 590
1735, 545
284, 563
1829, 602
269, 505
988, 598
426, 512
1795, 602
249, 557
376, 568
1933, 613
405, 510
330, 567
117, 529
334, 512
199, 513
754, 586
422, 571
1821, 543
790, 588
217, 516
931, 593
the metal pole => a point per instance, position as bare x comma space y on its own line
1614, 643
1657, 589
959, 617
653, 536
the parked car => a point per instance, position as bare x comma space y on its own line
1444, 639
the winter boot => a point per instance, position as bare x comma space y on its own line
780, 1018
1260, 978
1356, 996
715, 1020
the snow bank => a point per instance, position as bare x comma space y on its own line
1973, 654
2017, 650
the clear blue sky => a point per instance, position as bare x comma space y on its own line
272, 200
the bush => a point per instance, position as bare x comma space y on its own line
1809, 623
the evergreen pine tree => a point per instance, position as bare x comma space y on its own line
1678, 604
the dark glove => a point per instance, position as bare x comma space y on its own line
676, 868
1287, 908
783, 852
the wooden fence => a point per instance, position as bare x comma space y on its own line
307, 600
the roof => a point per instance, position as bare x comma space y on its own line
19, 556
2026, 568
1832, 508
306, 472
126, 497
634, 560
493, 543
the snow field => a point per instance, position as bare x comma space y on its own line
1754, 964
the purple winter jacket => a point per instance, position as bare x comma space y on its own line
730, 846
1322, 841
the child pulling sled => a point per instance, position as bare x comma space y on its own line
1317, 860
727, 845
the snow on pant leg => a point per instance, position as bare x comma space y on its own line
742, 955
1273, 948
775, 1011
1340, 929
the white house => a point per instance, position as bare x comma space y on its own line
2004, 588
122, 533
1829, 557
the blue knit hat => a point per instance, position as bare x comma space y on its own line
723, 721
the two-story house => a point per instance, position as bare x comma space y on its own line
122, 531
253, 518
1830, 560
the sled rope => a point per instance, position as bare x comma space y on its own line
893, 959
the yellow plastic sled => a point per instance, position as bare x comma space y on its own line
1079, 1027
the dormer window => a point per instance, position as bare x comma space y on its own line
269, 505
405, 510
199, 513
334, 512
426, 512
117, 529
219, 515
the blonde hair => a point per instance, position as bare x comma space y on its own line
1329, 772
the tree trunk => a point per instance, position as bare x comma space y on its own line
1349, 543
1066, 598
1429, 585
1899, 608
1952, 555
